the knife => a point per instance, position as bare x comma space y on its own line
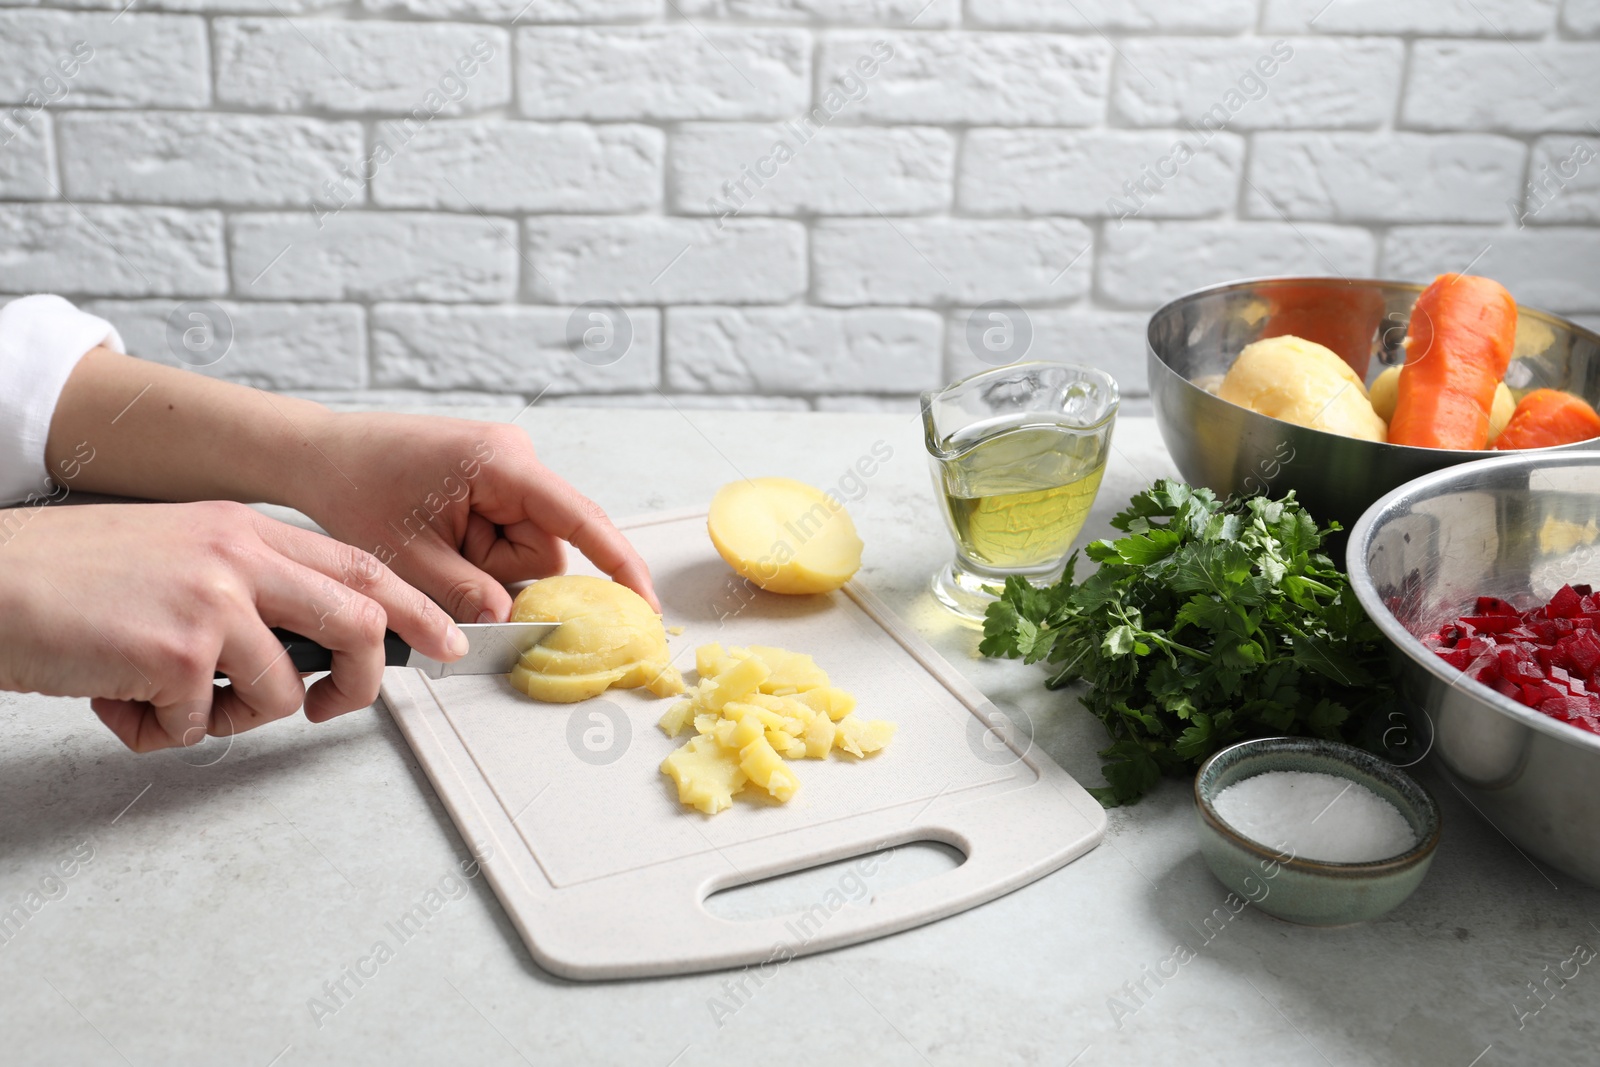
494, 648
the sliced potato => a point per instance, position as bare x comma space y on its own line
608, 637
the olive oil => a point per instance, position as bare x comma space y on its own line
1017, 454
1017, 499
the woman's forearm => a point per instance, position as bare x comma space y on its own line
133, 428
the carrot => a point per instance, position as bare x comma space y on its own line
1463, 329
1343, 320
1548, 417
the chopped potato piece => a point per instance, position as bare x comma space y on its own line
711, 660
735, 683
769, 719
740, 723
707, 775
677, 717
723, 732
784, 535
794, 671
819, 737
766, 768
862, 737
834, 703
608, 637
747, 728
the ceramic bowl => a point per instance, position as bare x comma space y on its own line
1312, 892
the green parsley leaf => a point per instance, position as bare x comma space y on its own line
1208, 622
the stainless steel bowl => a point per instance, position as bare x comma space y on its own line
1517, 527
1234, 450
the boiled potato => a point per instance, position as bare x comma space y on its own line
784, 535
1304, 383
1501, 411
608, 637
1385, 394
705, 777
746, 725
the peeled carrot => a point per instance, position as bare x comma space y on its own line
1548, 417
1463, 329
1340, 319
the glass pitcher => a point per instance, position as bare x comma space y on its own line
1017, 455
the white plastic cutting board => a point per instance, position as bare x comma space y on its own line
605, 874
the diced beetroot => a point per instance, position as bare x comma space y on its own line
1503, 686
1550, 631
1567, 603
1564, 708
1492, 624
1579, 652
1547, 658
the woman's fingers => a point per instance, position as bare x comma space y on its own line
347, 623
134, 722
563, 511
466, 592
265, 685
349, 572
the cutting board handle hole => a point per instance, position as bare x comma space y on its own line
854, 881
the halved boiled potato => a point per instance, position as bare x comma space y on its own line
608, 637
784, 535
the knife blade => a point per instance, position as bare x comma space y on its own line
494, 648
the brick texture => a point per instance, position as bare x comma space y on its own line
1402, 177
778, 204
272, 345
180, 157
524, 166
1111, 173
1498, 85
1145, 263
77, 59
662, 72
525, 349
933, 262
394, 68
1259, 84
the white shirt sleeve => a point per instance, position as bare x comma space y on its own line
41, 340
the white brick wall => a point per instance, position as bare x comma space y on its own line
796, 203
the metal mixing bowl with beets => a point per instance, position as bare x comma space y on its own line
1518, 527
1231, 449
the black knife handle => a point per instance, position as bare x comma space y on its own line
309, 657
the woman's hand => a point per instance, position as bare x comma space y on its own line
137, 605
456, 508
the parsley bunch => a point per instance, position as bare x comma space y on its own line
1210, 622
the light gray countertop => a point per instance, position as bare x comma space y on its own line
227, 887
